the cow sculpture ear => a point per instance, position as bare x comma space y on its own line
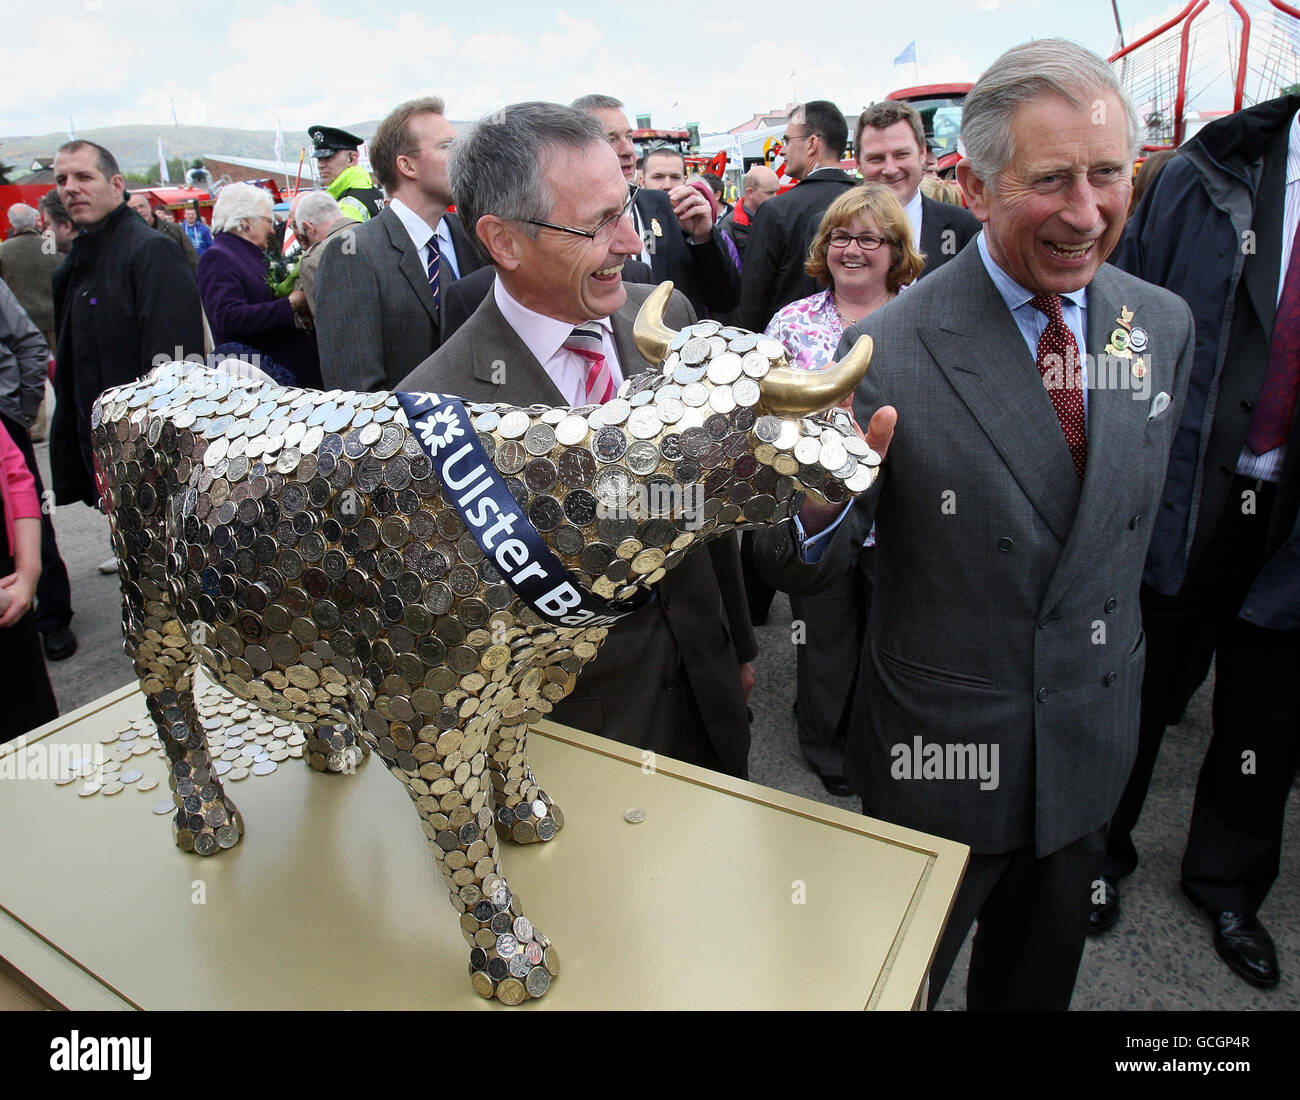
651, 336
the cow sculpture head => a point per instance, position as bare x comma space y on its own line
361, 563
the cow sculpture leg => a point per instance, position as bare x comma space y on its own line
205, 820
451, 784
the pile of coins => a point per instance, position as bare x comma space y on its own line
299, 546
242, 743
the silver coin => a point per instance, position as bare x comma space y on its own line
540, 439
746, 392
861, 481
720, 399
644, 423
695, 394
670, 409
507, 945
856, 446
164, 807
634, 816
130, 775
514, 424
537, 982
787, 437
642, 457
705, 328
518, 965
755, 364
615, 411
687, 373
773, 349
571, 431
488, 421
717, 346
264, 767
695, 351
724, 368
871, 458
832, 456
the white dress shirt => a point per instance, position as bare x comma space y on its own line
420, 231
913, 210
545, 336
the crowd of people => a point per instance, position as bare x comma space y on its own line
1087, 491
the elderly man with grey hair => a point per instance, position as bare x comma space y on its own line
27, 261
1023, 397
317, 217
542, 191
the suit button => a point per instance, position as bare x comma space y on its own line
1111, 604
1133, 523
1247, 406
1042, 695
1110, 678
1005, 544
669, 683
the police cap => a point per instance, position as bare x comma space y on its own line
330, 140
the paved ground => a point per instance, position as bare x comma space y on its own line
1159, 955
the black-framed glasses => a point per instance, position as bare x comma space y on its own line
866, 241
604, 232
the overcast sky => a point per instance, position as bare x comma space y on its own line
247, 63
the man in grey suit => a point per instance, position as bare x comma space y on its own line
544, 192
378, 288
997, 697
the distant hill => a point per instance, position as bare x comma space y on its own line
136, 147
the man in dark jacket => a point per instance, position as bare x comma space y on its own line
678, 238
774, 275
124, 300
1222, 575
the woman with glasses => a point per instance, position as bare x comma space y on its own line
863, 255
246, 317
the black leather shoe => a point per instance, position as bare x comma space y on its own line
1105, 915
59, 644
836, 785
1245, 945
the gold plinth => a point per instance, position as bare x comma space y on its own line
728, 895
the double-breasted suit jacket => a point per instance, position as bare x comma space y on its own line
1005, 613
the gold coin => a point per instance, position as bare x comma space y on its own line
483, 984
237, 774
511, 991
648, 561
495, 657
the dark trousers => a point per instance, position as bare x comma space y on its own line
1032, 919
834, 624
26, 699
53, 591
758, 593
1235, 842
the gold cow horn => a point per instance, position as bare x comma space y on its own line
649, 332
789, 392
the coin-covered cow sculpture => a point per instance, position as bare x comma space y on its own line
404, 574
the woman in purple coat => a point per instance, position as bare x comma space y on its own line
242, 309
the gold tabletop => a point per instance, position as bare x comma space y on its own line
726, 895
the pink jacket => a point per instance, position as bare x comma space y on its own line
17, 486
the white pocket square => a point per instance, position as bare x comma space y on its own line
1158, 405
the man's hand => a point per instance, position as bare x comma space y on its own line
879, 434
693, 213
747, 678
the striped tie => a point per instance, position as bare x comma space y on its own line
586, 341
435, 256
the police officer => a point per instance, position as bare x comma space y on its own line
336, 158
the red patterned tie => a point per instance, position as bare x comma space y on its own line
1270, 424
1058, 365
586, 341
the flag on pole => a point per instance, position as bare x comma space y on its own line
279, 143
72, 132
162, 165
737, 154
908, 56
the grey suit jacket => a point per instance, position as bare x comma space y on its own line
375, 317
690, 641
1005, 612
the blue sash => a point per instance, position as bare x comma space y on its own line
490, 512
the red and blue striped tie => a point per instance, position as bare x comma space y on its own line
586, 341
